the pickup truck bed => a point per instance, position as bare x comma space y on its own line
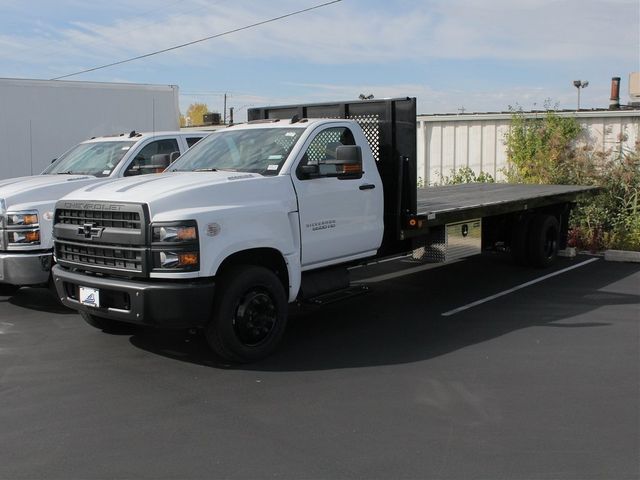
454, 203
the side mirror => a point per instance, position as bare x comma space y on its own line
348, 162
159, 161
347, 155
173, 157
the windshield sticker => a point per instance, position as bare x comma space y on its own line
275, 157
272, 167
125, 148
290, 134
106, 172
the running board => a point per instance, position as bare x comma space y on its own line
337, 296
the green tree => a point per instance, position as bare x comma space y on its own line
195, 113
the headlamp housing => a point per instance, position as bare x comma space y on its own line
19, 230
175, 246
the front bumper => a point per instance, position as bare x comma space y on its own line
185, 304
25, 268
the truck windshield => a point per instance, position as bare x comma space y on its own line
97, 158
260, 150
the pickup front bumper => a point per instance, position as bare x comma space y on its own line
185, 304
25, 268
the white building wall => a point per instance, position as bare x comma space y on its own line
448, 142
41, 119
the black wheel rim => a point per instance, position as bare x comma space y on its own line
255, 318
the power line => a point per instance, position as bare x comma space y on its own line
200, 40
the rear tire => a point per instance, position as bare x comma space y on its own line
249, 314
544, 238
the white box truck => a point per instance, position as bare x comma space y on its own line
40, 119
260, 215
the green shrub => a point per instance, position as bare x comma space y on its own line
541, 150
546, 151
611, 219
467, 175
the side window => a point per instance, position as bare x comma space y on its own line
323, 147
191, 141
143, 162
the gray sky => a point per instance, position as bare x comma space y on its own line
482, 55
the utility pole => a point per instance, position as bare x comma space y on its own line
224, 110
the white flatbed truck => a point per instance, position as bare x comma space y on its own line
260, 215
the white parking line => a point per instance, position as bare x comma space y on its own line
519, 287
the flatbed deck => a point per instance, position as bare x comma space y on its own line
454, 203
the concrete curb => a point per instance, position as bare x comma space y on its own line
621, 256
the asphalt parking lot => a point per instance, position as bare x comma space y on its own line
519, 380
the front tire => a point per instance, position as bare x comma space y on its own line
249, 314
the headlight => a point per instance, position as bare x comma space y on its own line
22, 219
182, 233
19, 229
24, 237
175, 246
178, 259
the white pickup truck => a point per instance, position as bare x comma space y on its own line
260, 215
27, 203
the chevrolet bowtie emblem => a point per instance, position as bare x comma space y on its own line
90, 231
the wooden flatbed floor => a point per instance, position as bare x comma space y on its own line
453, 203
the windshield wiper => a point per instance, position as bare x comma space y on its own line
204, 170
68, 172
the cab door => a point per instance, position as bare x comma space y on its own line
340, 212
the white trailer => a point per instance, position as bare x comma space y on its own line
40, 119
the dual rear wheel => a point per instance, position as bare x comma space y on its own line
535, 240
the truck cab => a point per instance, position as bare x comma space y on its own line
266, 202
27, 203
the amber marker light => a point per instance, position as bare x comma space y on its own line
32, 237
188, 259
30, 219
186, 233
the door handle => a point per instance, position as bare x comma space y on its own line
367, 186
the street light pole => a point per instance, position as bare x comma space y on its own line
580, 84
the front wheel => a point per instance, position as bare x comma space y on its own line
249, 314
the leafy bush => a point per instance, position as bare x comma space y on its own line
540, 150
467, 175
546, 150
611, 219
